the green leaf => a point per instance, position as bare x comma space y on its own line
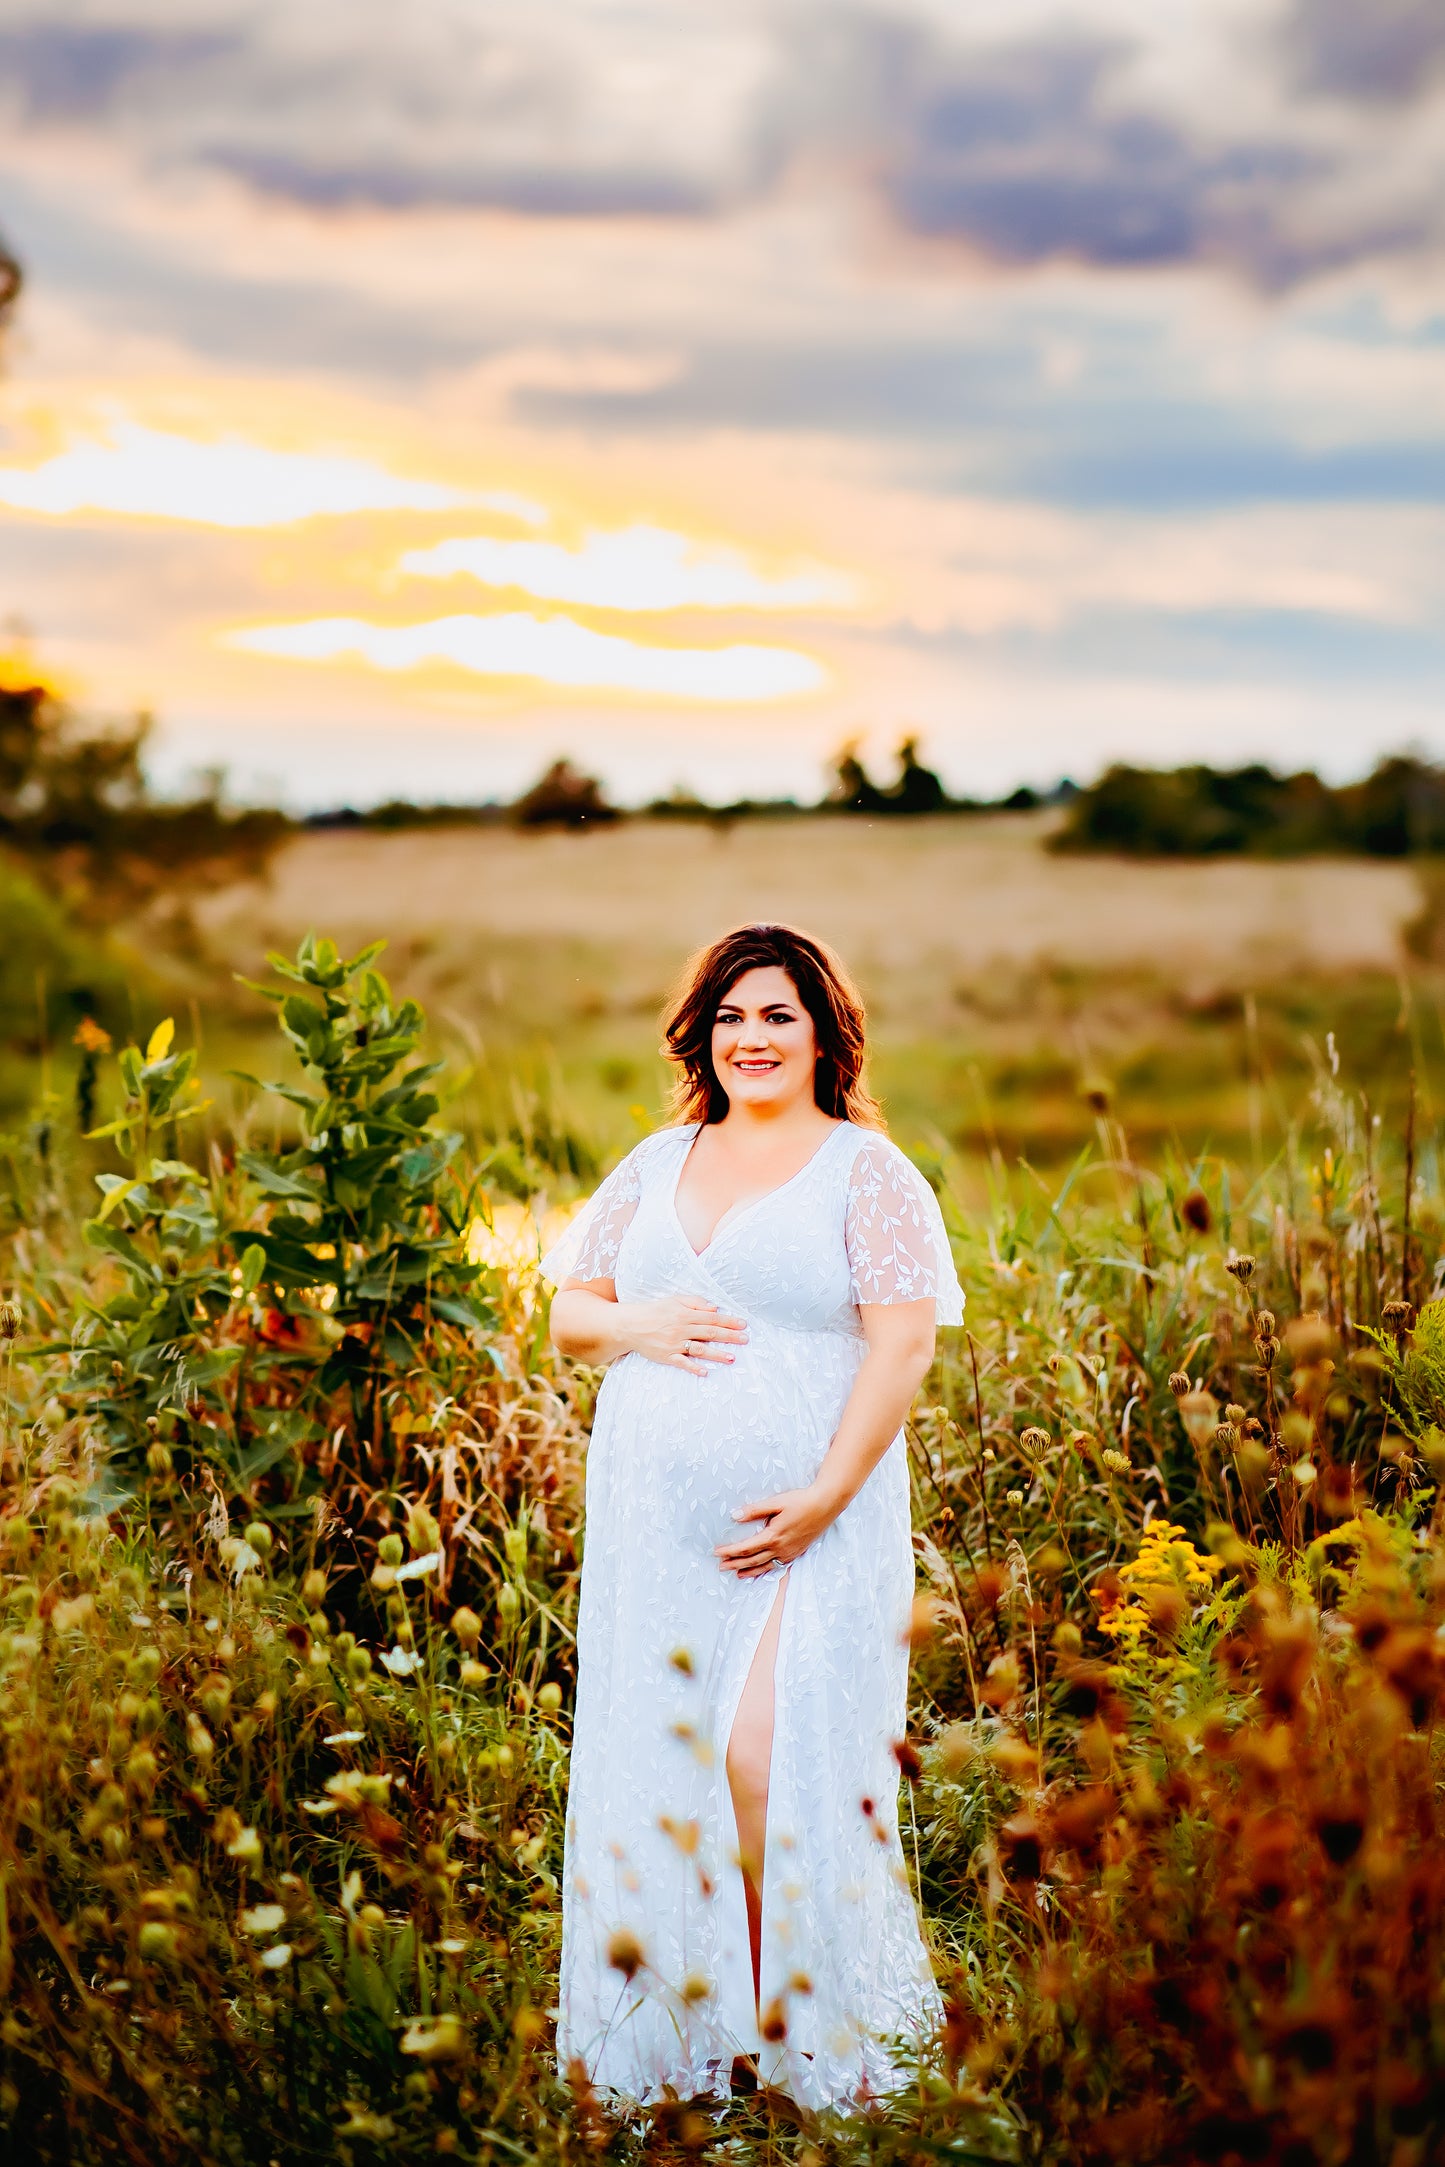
117, 1244
159, 1043
253, 1264
274, 1181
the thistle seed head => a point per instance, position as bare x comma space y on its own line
1033, 1441
624, 1952
1179, 1383
1240, 1268
1195, 1212
1264, 1324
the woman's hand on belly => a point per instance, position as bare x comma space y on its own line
789, 1523
681, 1331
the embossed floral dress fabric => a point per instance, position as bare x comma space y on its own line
665, 1641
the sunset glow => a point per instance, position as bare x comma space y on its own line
637, 568
152, 474
553, 651
1053, 387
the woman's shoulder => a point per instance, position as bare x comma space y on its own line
872, 1148
654, 1149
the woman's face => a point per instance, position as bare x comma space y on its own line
764, 1046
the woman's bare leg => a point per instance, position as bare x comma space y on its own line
749, 1765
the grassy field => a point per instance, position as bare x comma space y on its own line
290, 1529
1002, 981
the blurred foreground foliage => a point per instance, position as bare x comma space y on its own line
290, 1527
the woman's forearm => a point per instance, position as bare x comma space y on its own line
883, 1392
590, 1327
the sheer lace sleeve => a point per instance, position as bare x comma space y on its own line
587, 1246
897, 1244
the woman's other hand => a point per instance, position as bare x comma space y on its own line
789, 1523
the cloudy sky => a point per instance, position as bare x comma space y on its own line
403, 395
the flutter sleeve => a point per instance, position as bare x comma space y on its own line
588, 1245
897, 1244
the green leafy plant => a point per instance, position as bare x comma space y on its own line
365, 1218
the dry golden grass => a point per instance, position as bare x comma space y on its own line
909, 904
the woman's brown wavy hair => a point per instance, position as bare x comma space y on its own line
825, 990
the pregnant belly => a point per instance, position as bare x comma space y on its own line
698, 1449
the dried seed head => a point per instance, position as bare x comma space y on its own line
9, 1320
624, 1952
1195, 1212
1226, 1436
1080, 1440
1240, 1268
1268, 1351
159, 1459
1032, 1442
1014, 1498
1235, 1414
1097, 1095
1252, 1427
1264, 1324
1116, 1462
1397, 1316
773, 2023
1179, 1382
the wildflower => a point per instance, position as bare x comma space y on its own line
263, 1919
468, 1627
773, 2023
1117, 1462
696, 1988
277, 1958
624, 1952
435, 2039
401, 1662
1015, 1498
1240, 1268
361, 2122
90, 1037
419, 1567
156, 1942
313, 1589
260, 1538
245, 1845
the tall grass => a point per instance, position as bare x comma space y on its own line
287, 1650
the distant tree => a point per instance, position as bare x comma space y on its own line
918, 789
1397, 811
564, 798
854, 790
74, 794
10, 282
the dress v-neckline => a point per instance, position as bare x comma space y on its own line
745, 1204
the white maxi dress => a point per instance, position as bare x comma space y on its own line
666, 1639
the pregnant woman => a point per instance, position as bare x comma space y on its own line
764, 1281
